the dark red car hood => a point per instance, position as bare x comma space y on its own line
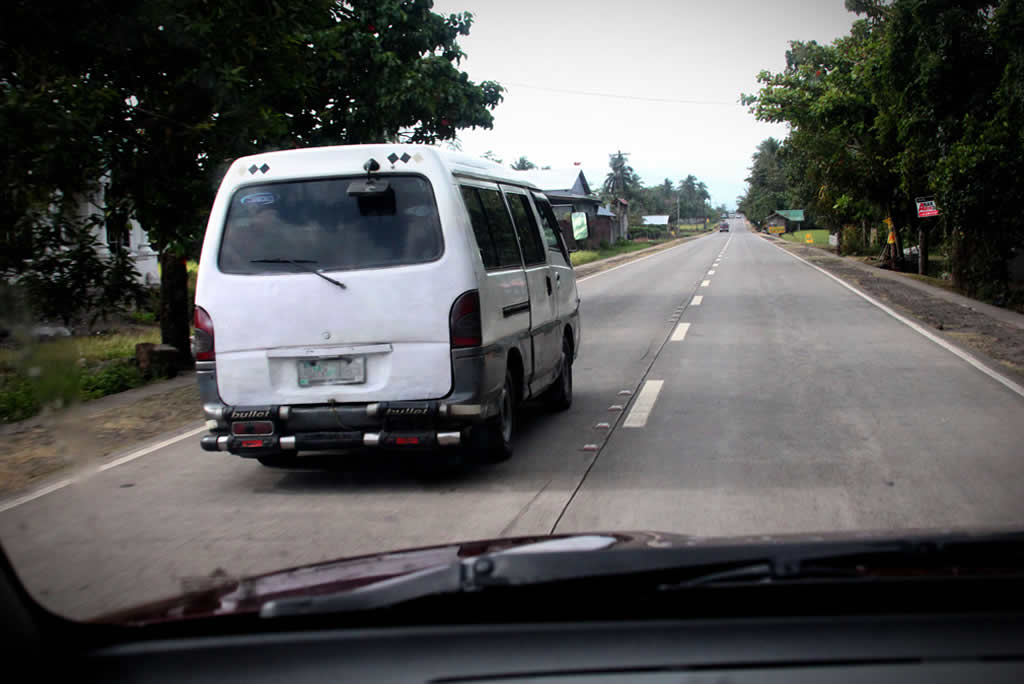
221, 594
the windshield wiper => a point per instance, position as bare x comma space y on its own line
301, 263
689, 568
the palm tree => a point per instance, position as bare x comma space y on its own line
523, 164
622, 181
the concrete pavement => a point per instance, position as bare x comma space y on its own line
787, 403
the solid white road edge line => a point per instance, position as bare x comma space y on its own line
644, 403
60, 484
13, 503
679, 334
150, 449
1002, 379
637, 261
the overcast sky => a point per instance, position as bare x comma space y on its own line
707, 51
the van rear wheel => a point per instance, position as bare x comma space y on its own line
559, 396
491, 441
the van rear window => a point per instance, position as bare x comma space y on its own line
297, 225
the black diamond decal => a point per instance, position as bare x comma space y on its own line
264, 168
392, 157
405, 157
253, 169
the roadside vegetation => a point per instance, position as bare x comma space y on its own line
819, 237
586, 256
59, 372
140, 154
922, 99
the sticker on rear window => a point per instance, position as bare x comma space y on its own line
259, 198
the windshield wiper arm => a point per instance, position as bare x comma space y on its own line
443, 579
301, 263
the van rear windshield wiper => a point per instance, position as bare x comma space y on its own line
676, 569
301, 263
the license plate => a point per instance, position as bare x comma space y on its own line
347, 370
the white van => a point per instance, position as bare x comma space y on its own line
393, 296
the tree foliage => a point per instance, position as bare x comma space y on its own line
922, 98
523, 164
158, 96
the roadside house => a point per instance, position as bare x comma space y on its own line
569, 193
787, 220
135, 241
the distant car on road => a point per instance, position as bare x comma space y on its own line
723, 227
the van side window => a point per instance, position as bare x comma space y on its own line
503, 235
526, 226
492, 227
550, 228
478, 219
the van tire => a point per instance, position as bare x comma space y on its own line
558, 397
491, 440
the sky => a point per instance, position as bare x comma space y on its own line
701, 55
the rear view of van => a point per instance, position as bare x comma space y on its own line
343, 300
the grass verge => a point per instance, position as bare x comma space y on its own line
60, 372
585, 256
819, 237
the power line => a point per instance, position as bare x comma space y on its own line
627, 97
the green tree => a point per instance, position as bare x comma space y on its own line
523, 164
162, 94
622, 182
766, 184
693, 197
947, 79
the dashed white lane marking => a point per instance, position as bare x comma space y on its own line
680, 332
705, 283
697, 299
60, 484
1002, 379
644, 403
711, 272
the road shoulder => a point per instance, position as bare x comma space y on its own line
47, 447
593, 267
995, 337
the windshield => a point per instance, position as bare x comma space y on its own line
386, 284
318, 222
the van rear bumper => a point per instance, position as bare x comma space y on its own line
387, 424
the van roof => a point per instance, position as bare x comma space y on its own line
457, 163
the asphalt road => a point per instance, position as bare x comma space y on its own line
782, 402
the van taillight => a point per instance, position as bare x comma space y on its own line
203, 347
464, 321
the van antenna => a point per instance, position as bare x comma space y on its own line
370, 166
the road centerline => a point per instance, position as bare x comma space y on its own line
644, 404
680, 332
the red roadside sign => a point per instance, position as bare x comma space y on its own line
926, 207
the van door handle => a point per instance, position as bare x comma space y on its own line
548, 280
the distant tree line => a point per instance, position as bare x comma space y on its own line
688, 198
